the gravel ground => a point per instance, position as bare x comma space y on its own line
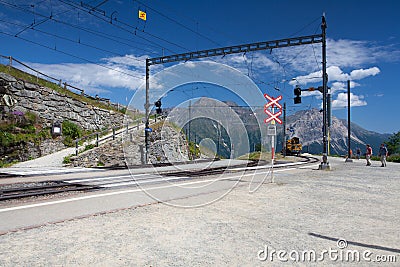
305, 210
52, 160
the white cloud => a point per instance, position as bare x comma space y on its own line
118, 72
341, 101
363, 73
341, 54
337, 78
305, 79
128, 60
342, 86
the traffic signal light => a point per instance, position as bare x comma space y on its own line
158, 106
297, 93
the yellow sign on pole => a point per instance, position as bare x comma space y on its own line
142, 15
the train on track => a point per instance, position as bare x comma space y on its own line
293, 146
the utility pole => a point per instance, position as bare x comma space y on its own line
324, 164
329, 115
348, 123
190, 118
147, 115
284, 130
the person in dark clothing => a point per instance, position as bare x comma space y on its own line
383, 153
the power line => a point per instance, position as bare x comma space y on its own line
74, 41
94, 32
71, 55
178, 23
133, 30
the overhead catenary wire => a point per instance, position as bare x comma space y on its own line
91, 31
130, 29
178, 23
74, 56
77, 42
249, 72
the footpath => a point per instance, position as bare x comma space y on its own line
347, 216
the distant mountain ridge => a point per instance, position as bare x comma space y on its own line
307, 125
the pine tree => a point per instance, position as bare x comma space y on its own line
393, 144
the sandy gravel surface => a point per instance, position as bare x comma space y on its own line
305, 210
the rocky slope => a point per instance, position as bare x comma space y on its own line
167, 145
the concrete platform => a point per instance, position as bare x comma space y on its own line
348, 210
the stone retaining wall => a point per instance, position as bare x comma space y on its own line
52, 106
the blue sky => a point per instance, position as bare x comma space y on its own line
78, 44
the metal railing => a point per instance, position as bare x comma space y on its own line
60, 83
110, 133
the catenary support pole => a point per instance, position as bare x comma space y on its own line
348, 124
284, 130
147, 115
324, 164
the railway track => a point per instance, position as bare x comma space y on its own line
219, 170
32, 189
24, 190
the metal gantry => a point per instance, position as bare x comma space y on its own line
268, 45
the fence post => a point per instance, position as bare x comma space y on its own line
76, 147
9, 63
97, 139
113, 134
127, 127
137, 127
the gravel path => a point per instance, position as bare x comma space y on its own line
56, 159
305, 210
52, 160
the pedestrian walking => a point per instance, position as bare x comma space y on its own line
368, 155
383, 153
358, 153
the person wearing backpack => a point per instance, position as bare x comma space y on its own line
383, 153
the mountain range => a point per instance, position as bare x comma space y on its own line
305, 124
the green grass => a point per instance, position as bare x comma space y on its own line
391, 158
22, 130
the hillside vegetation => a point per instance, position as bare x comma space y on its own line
18, 74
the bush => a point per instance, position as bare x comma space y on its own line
394, 158
6, 139
90, 146
67, 159
31, 118
71, 131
